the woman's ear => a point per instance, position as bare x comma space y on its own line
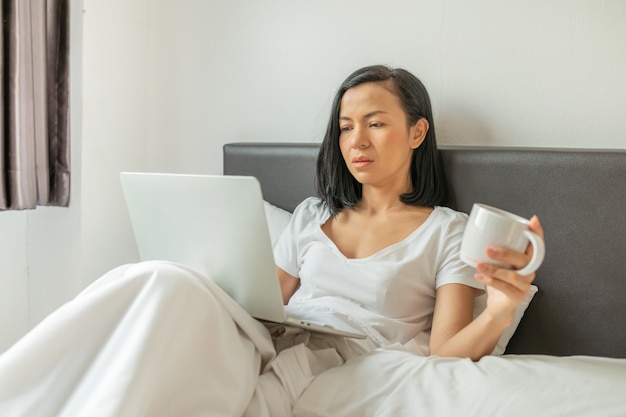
418, 133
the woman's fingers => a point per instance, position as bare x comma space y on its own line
514, 294
516, 259
535, 226
507, 275
506, 281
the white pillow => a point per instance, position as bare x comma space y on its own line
277, 220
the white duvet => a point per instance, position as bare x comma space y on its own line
395, 383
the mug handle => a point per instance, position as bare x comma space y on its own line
539, 251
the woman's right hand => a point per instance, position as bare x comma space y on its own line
506, 289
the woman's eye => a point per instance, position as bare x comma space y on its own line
345, 128
376, 124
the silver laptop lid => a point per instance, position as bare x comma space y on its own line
214, 224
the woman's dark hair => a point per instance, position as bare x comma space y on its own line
335, 184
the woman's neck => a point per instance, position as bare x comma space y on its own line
377, 201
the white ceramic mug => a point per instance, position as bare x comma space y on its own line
488, 226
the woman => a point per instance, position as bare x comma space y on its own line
380, 182
375, 250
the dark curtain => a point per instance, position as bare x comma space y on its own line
34, 104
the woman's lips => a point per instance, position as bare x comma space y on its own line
361, 162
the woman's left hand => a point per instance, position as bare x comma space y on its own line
506, 289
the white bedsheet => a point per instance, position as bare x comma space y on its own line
396, 383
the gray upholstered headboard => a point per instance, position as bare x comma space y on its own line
580, 197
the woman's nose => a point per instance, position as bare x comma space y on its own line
360, 139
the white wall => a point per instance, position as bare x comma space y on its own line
116, 75
13, 277
162, 85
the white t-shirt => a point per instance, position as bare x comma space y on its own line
390, 294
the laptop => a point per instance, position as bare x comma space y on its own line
216, 225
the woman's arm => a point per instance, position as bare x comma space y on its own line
288, 284
453, 331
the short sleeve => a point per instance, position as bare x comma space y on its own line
452, 270
287, 249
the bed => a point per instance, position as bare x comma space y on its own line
566, 355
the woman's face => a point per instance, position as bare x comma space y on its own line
375, 141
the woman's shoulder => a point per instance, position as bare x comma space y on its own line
448, 218
312, 209
451, 214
